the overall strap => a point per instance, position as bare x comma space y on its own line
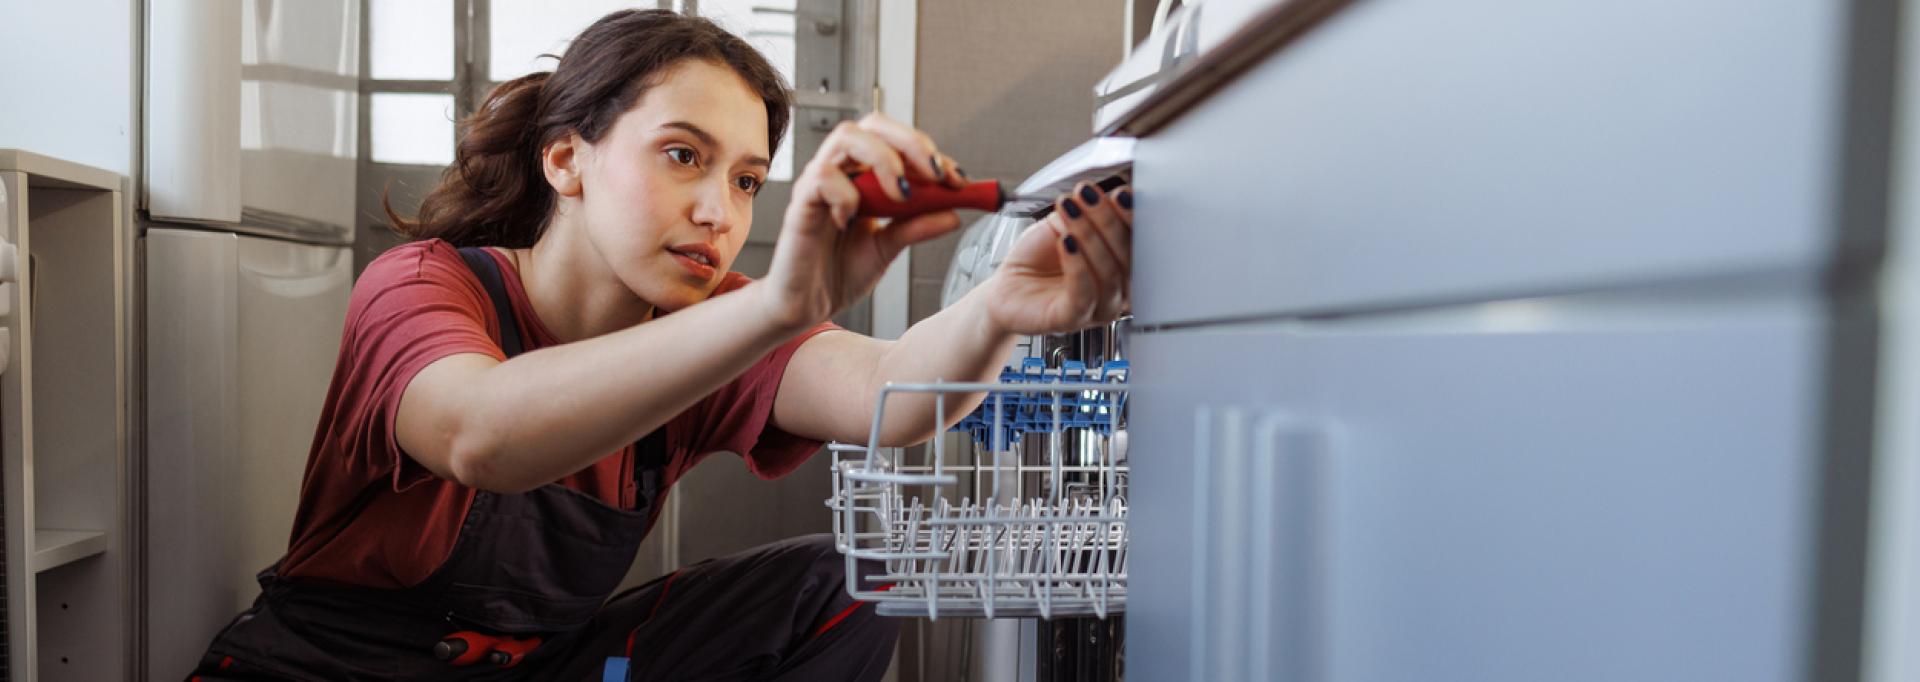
651, 450
488, 270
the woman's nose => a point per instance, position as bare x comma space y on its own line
713, 210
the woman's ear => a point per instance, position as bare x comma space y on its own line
561, 165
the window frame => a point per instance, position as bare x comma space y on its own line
472, 55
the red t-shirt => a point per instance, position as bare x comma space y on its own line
370, 515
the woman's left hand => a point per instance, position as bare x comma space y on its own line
1070, 271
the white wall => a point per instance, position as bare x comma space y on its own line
67, 81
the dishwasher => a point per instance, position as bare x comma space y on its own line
1015, 519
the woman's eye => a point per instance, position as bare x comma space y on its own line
681, 155
749, 183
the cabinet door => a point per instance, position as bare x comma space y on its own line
1198, 550
1506, 494
1419, 151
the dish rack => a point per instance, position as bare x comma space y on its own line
1019, 511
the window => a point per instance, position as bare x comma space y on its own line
414, 128
519, 31
411, 39
768, 26
432, 61
409, 86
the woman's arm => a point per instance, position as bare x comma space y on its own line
831, 383
474, 420
1045, 286
517, 425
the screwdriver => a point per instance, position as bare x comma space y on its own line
927, 197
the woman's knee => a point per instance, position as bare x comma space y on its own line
814, 553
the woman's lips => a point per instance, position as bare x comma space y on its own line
691, 257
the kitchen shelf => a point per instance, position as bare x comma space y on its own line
55, 548
64, 411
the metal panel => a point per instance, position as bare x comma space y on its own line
192, 440
291, 303
1409, 153
299, 91
241, 338
1551, 489
193, 110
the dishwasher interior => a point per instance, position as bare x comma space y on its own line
1007, 535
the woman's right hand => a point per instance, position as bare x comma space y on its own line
825, 258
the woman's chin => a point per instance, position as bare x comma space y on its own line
681, 298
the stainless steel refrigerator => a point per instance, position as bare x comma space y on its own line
249, 197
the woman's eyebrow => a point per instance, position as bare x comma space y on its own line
705, 137
709, 140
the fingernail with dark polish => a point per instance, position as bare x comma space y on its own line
1125, 198
906, 190
1073, 209
938, 171
962, 172
1072, 245
1092, 198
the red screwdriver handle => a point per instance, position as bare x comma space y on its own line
509, 652
925, 197
467, 647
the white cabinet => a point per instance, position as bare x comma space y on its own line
1500, 341
63, 420
1438, 151
1581, 494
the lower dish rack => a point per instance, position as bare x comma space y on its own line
1020, 511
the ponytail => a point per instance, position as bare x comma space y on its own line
494, 194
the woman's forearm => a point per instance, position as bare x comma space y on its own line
552, 412
957, 344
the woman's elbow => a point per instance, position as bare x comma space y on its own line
478, 466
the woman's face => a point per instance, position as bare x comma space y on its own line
667, 193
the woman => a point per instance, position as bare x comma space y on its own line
517, 388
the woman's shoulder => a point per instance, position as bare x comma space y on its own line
409, 256
433, 259
425, 269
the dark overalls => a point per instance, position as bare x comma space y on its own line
523, 595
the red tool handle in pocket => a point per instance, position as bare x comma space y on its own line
466, 647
